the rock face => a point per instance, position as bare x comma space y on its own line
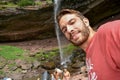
10, 12
93, 9
27, 24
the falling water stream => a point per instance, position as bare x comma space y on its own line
60, 37
57, 4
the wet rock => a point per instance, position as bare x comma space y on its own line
24, 71
40, 70
18, 62
77, 65
13, 68
77, 55
16, 76
6, 69
23, 64
32, 54
26, 66
36, 64
48, 65
3, 62
31, 74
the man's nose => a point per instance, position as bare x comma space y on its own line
69, 28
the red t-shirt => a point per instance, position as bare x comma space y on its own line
103, 53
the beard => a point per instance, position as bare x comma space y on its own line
83, 37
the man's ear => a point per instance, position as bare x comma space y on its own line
86, 21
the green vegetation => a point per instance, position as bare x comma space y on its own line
49, 1
69, 48
23, 3
11, 65
10, 52
7, 5
38, 3
48, 55
1, 72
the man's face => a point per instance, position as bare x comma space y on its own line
75, 29
65, 70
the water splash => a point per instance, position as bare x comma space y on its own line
45, 75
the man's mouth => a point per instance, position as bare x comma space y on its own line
75, 36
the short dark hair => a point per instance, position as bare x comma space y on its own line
69, 11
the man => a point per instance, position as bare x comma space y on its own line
57, 74
83, 73
66, 74
102, 47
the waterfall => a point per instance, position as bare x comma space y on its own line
57, 4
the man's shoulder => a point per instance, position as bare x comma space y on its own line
110, 25
109, 28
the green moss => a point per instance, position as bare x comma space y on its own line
69, 48
11, 52
2, 72
47, 55
38, 3
11, 65
7, 5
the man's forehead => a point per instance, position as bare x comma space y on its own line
67, 18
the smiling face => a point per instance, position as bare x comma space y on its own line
75, 29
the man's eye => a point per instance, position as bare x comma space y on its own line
72, 22
64, 30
